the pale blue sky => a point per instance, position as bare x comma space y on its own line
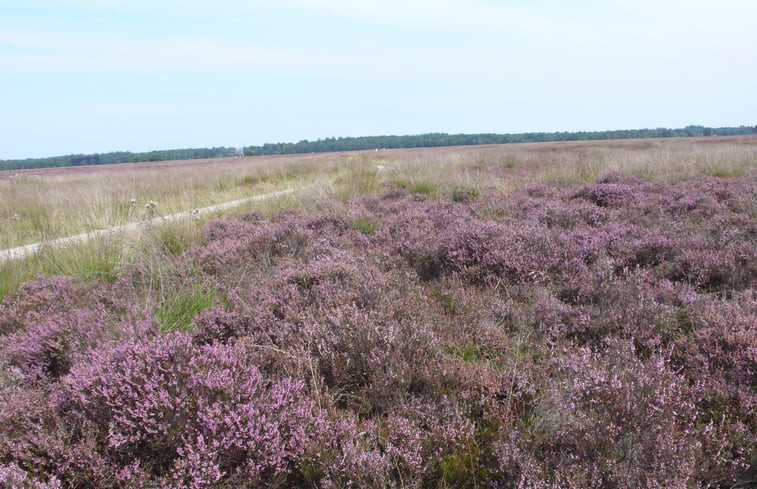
84, 76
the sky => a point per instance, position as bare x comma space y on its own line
94, 76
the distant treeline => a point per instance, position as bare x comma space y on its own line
116, 157
443, 139
371, 142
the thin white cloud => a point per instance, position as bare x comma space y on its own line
418, 15
454, 16
63, 51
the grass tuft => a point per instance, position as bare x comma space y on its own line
364, 224
177, 311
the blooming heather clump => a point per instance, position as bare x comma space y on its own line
722, 347
162, 411
233, 242
39, 299
12, 476
190, 415
51, 322
715, 268
607, 194
219, 325
401, 450
612, 419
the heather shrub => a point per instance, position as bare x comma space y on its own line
537, 189
573, 215
473, 249
540, 255
554, 212
355, 459
216, 324
188, 415
629, 307
51, 322
37, 437
614, 420
39, 299
249, 241
13, 477
439, 239
645, 251
368, 361
408, 450
726, 335
720, 357
607, 194
336, 277
554, 319
360, 332
413, 232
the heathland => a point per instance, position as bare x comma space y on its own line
573, 314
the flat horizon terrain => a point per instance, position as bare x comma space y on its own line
150, 165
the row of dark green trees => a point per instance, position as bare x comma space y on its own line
116, 157
369, 142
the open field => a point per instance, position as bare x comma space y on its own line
538, 315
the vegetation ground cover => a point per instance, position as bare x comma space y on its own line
540, 318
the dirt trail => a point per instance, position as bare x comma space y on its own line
27, 250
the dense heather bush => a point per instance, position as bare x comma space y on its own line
408, 450
51, 322
607, 194
12, 476
627, 417
233, 242
39, 299
595, 336
192, 416
216, 324
710, 268
360, 329
38, 438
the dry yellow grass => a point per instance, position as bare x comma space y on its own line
46, 204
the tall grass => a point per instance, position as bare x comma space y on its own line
97, 259
51, 205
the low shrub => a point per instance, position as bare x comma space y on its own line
190, 416
51, 322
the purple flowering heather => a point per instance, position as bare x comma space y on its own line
51, 322
191, 415
13, 477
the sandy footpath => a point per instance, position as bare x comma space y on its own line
27, 250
